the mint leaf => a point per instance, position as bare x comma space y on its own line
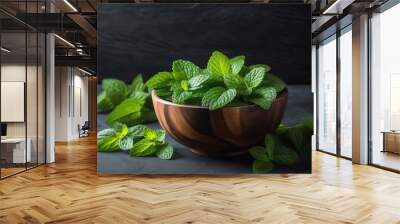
137, 131
263, 97
182, 69
165, 151
267, 68
196, 82
237, 64
137, 83
254, 77
259, 153
275, 82
139, 95
284, 155
218, 97
219, 64
160, 80
163, 92
116, 90
270, 142
180, 97
126, 143
233, 81
296, 136
129, 107
185, 85
108, 139
260, 166
104, 103
224, 99
143, 147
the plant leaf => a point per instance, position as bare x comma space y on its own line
234, 81
196, 82
185, 85
182, 69
259, 153
137, 83
270, 142
237, 63
224, 99
180, 97
126, 143
160, 80
254, 77
116, 90
143, 147
139, 95
165, 151
127, 107
267, 68
260, 166
263, 97
284, 155
137, 131
104, 103
219, 64
211, 95
275, 82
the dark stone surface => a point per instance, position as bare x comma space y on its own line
185, 162
146, 38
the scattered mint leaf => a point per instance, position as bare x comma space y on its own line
165, 151
138, 84
116, 90
270, 143
160, 80
259, 153
128, 109
104, 103
261, 166
126, 143
144, 147
284, 155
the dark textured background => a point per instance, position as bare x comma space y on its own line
146, 38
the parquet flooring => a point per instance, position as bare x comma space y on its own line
70, 191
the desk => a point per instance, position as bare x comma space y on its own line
13, 150
391, 141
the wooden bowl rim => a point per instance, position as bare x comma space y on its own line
154, 96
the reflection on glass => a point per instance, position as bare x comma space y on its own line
346, 94
15, 151
327, 96
385, 84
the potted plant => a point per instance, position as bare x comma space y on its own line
221, 110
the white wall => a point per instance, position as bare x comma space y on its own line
71, 94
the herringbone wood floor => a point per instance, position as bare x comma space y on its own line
70, 191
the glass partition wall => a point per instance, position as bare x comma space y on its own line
334, 94
385, 89
22, 78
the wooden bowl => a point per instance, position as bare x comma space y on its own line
227, 131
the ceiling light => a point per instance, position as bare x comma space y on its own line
5, 50
70, 5
65, 41
84, 71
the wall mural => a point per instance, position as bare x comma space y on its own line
204, 89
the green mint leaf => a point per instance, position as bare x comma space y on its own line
263, 97
180, 97
197, 82
284, 155
143, 147
149, 116
259, 153
185, 85
182, 69
150, 134
275, 82
126, 143
104, 103
163, 92
211, 95
126, 108
165, 151
108, 139
160, 80
267, 68
116, 90
137, 131
261, 166
219, 64
254, 77
139, 95
237, 64
270, 142
138, 84
224, 99
297, 138
234, 81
